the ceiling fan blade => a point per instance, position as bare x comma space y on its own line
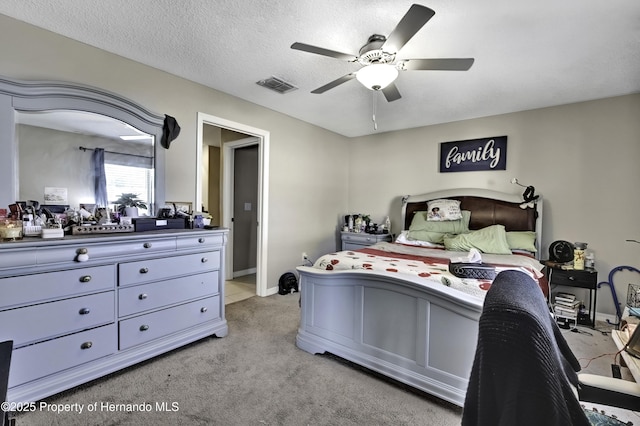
444, 64
335, 83
408, 26
325, 52
391, 93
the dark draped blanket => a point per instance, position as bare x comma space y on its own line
523, 370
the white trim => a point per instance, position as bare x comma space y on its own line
263, 187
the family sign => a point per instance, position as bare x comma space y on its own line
474, 154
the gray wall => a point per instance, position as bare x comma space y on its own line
30, 53
581, 157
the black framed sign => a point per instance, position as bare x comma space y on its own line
474, 154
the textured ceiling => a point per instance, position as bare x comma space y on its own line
527, 54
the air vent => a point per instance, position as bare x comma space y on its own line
277, 85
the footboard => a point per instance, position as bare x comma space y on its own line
423, 336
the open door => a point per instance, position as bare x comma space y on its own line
259, 138
242, 157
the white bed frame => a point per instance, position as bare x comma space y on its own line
422, 336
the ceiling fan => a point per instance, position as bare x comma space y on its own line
378, 57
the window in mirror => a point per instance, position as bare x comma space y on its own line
129, 180
55, 150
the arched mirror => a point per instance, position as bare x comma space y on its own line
55, 135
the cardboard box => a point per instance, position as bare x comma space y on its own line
154, 224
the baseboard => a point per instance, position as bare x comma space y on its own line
271, 291
244, 272
610, 319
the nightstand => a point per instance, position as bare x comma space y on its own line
358, 240
586, 278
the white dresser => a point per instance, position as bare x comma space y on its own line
138, 295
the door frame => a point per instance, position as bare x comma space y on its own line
263, 189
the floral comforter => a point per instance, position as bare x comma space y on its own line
430, 264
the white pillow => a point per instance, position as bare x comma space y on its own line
438, 210
403, 238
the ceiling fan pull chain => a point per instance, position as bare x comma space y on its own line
375, 124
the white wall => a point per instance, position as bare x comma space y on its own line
583, 158
304, 170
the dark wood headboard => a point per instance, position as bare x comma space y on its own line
486, 207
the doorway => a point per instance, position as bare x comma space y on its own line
241, 158
256, 145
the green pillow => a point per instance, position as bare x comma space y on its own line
433, 232
522, 240
428, 236
492, 239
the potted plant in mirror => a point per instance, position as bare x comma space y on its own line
128, 204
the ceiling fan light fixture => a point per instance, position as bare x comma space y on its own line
377, 76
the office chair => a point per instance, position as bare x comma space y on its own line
524, 372
5, 361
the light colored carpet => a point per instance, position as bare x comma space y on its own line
254, 376
257, 376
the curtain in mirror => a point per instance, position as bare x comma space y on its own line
99, 176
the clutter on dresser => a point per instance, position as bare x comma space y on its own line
362, 223
10, 230
32, 219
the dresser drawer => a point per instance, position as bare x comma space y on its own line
17, 258
141, 329
201, 241
31, 289
360, 238
572, 278
136, 299
159, 269
35, 361
355, 240
68, 253
47, 320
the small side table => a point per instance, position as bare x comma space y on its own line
358, 240
585, 278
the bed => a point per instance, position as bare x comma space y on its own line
395, 308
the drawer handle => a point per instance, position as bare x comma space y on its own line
572, 278
203, 309
142, 296
144, 327
84, 311
146, 245
85, 278
82, 255
204, 260
86, 345
201, 240
144, 270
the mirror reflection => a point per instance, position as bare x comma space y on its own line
60, 153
